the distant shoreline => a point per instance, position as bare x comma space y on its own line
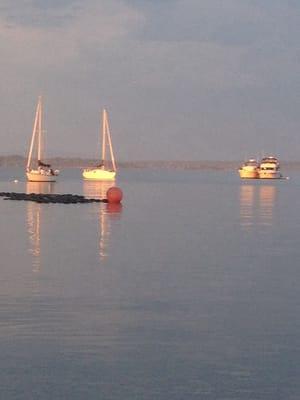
77, 162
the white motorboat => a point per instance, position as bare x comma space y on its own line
249, 169
269, 168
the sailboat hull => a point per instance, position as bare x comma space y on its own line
98, 174
36, 176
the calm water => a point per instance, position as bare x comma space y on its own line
191, 290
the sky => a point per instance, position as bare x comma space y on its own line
180, 79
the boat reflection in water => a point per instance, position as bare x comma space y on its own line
34, 211
33, 229
34, 214
267, 197
96, 189
257, 205
247, 204
106, 213
40, 187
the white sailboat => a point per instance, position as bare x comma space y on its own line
102, 172
36, 169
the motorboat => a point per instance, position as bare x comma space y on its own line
249, 169
269, 168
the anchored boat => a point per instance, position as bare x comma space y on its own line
269, 168
102, 172
249, 170
36, 169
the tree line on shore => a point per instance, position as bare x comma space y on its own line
77, 162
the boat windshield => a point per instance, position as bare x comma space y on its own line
251, 163
269, 160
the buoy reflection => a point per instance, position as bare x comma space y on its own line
114, 209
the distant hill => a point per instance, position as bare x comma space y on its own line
12, 161
77, 162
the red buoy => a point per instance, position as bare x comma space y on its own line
114, 195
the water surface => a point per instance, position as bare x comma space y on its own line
190, 290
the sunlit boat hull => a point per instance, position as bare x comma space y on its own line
98, 174
249, 170
36, 176
248, 174
269, 174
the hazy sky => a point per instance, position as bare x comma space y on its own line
181, 79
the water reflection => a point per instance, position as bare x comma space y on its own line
106, 213
257, 205
267, 196
34, 211
247, 197
34, 233
33, 229
40, 187
96, 189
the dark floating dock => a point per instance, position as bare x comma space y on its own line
50, 198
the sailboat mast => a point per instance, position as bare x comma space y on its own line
40, 131
110, 145
33, 135
103, 135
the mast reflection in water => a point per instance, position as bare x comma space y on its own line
34, 212
34, 234
106, 212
